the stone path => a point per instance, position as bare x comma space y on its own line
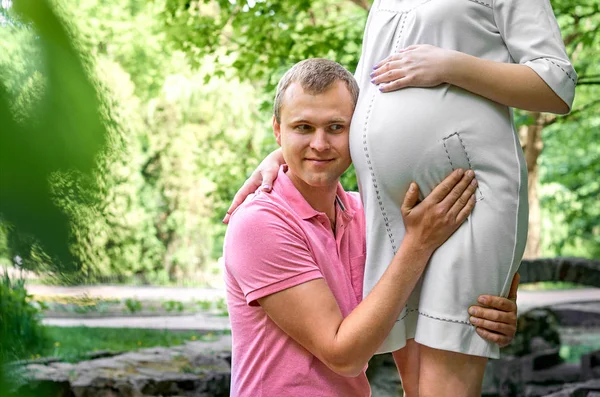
197, 322
123, 292
526, 300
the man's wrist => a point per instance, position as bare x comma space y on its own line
418, 247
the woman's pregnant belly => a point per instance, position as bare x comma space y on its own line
422, 134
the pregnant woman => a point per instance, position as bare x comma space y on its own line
437, 81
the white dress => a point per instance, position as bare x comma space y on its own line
422, 134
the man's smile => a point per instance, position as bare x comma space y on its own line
319, 161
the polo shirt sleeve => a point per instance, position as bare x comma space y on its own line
532, 36
266, 252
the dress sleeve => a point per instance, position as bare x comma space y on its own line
266, 253
533, 38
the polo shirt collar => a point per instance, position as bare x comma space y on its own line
285, 187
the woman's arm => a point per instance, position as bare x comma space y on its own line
512, 85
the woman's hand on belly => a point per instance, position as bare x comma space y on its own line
415, 66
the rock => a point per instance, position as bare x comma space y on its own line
383, 376
590, 365
590, 388
195, 369
576, 270
537, 329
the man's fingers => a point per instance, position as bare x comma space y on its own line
498, 315
493, 337
512, 295
498, 302
466, 183
410, 198
466, 211
441, 191
464, 198
499, 328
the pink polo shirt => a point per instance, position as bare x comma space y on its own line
276, 241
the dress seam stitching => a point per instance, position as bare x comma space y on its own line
561, 68
482, 3
404, 11
445, 319
457, 134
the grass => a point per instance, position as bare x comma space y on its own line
71, 343
572, 354
549, 285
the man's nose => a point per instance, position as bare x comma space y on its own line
320, 141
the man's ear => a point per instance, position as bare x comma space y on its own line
277, 130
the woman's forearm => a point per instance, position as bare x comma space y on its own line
509, 84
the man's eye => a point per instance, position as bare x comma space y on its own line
336, 127
303, 127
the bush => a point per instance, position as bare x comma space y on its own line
21, 332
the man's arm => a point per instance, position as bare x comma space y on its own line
310, 315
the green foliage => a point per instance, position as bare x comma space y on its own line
173, 306
162, 110
262, 39
20, 330
570, 162
66, 132
133, 305
176, 147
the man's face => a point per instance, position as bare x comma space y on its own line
313, 134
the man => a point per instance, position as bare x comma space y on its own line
294, 258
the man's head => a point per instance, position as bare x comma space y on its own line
313, 108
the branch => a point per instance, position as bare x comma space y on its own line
364, 4
585, 107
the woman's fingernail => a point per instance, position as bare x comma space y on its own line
226, 219
375, 67
372, 74
381, 88
373, 81
266, 187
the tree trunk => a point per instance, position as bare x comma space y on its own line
531, 141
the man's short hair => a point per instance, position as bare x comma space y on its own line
315, 75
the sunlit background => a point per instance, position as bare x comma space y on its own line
126, 127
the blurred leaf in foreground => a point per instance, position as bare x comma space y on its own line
64, 132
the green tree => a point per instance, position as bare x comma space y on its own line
261, 39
